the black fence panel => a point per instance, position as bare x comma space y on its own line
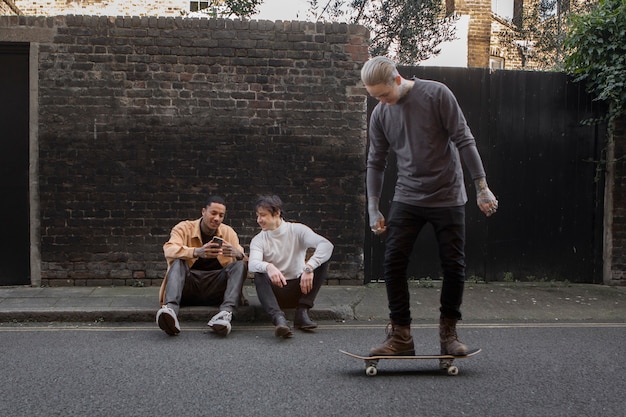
542, 164
14, 210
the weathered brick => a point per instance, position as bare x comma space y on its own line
140, 118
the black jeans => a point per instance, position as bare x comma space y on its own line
274, 298
210, 288
403, 226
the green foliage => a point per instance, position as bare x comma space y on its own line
243, 8
406, 31
596, 53
229, 8
411, 29
538, 31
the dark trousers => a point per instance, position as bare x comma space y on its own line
403, 226
274, 298
221, 287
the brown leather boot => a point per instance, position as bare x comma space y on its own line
450, 344
399, 342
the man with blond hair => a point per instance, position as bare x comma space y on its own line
422, 123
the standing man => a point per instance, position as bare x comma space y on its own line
205, 266
423, 124
283, 276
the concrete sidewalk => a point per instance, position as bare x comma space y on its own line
484, 303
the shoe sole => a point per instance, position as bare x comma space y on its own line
168, 325
220, 329
305, 327
457, 353
283, 331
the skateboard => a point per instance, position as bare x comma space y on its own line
445, 361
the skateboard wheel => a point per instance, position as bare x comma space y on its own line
371, 371
453, 370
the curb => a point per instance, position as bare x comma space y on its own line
245, 314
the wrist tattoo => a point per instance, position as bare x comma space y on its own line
481, 185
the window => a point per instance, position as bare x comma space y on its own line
550, 8
503, 8
496, 63
196, 6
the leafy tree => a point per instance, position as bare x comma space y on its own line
242, 8
229, 8
596, 53
408, 31
539, 30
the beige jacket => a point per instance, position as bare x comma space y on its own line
185, 237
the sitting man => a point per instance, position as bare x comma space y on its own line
283, 277
205, 266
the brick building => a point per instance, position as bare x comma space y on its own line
8, 8
101, 7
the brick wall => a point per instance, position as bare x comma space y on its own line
141, 118
479, 33
483, 35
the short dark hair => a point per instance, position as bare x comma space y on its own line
214, 199
271, 203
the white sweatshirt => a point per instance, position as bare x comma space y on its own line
286, 247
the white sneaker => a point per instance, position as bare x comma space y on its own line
220, 323
167, 321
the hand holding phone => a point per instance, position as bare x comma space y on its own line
218, 240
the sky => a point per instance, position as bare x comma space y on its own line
282, 10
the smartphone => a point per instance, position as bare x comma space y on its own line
217, 240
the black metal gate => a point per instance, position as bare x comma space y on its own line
14, 210
541, 163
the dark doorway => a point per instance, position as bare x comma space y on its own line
14, 210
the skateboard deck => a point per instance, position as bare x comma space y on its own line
445, 361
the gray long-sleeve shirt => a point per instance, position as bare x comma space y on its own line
427, 131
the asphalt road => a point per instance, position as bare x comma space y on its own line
136, 370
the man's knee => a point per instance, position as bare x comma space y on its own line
238, 269
178, 270
261, 279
